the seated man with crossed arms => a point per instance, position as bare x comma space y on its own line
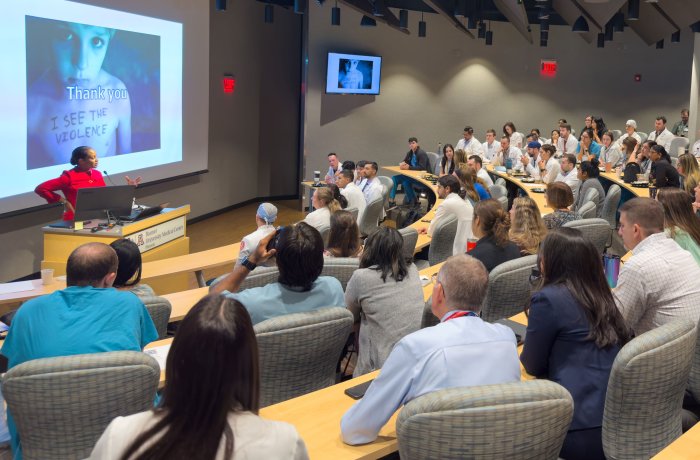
461, 351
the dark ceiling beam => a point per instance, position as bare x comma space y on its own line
365, 7
446, 10
515, 13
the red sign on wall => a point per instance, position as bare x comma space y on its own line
548, 68
229, 84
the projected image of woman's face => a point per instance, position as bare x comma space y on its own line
80, 50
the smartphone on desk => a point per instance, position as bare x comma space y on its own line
518, 329
358, 391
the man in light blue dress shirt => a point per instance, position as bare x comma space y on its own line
461, 351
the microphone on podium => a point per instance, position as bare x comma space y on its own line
108, 177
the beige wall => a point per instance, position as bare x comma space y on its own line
432, 87
250, 137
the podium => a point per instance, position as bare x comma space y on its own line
158, 237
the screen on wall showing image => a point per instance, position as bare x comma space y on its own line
353, 74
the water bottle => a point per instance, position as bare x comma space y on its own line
439, 149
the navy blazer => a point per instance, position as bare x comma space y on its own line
556, 348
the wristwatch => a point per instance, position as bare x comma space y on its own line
248, 264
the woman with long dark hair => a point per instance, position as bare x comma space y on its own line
680, 221
516, 139
574, 333
447, 164
129, 269
344, 236
491, 225
211, 398
386, 297
588, 173
662, 171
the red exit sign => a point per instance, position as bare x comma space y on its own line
229, 82
548, 68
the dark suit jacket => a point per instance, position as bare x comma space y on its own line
492, 255
556, 348
422, 163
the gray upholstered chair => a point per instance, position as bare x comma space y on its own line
428, 319
369, 221
596, 230
433, 161
324, 230
648, 379
299, 352
498, 190
643, 136
62, 405
676, 144
504, 202
410, 239
261, 276
509, 289
159, 309
340, 268
441, 243
612, 201
520, 420
617, 133
387, 183
499, 181
694, 380
591, 195
354, 211
587, 210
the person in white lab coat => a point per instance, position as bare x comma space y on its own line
453, 204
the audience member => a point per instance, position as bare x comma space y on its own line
588, 124
351, 192
129, 268
460, 159
630, 131
588, 173
373, 188
386, 297
568, 174
344, 236
509, 156
662, 171
470, 190
469, 143
554, 138
324, 204
559, 197
548, 165
587, 148
480, 353
610, 155
347, 164
333, 168
475, 162
574, 333
415, 160
453, 205
89, 316
680, 221
530, 158
491, 225
447, 164
491, 147
209, 408
689, 172
661, 135
631, 150
360, 179
566, 143
599, 128
265, 216
514, 137
659, 283
527, 228
299, 252
696, 203
680, 128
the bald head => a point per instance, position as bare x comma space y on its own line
92, 264
464, 280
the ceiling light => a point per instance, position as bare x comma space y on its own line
618, 22
378, 8
676, 37
482, 30
299, 6
633, 10
403, 19
421, 27
366, 21
489, 38
220, 5
695, 27
660, 45
269, 14
335, 15
601, 40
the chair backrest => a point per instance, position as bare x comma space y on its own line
527, 419
677, 143
694, 380
591, 195
159, 308
340, 268
299, 352
509, 289
387, 184
617, 133
261, 276
428, 319
643, 136
354, 211
500, 181
497, 191
612, 201
324, 230
442, 242
370, 218
588, 209
433, 161
410, 238
594, 229
504, 202
62, 405
645, 392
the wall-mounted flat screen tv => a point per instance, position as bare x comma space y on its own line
353, 74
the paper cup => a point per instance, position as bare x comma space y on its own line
47, 276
